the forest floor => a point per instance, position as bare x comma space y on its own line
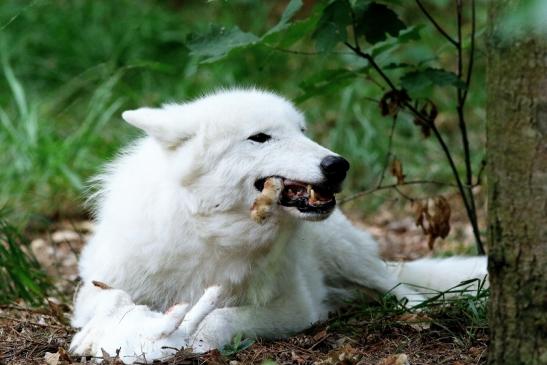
377, 334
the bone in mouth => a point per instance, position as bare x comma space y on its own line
314, 196
263, 206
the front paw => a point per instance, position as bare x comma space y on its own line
140, 334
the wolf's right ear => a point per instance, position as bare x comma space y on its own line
165, 125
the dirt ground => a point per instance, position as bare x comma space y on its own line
353, 336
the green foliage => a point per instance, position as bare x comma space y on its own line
460, 311
40, 160
218, 42
238, 344
377, 20
21, 277
417, 81
64, 84
331, 28
290, 11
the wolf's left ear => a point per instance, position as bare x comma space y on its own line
167, 126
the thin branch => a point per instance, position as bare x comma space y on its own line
354, 26
479, 174
375, 82
468, 200
435, 24
471, 52
373, 63
393, 186
388, 154
405, 196
461, 102
461, 95
466, 192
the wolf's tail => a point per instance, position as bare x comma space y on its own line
441, 274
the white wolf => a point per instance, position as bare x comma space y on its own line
173, 222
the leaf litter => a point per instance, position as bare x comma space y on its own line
351, 337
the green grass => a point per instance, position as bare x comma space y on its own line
21, 277
460, 312
43, 164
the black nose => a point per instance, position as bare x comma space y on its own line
334, 168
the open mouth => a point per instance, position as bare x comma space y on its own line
306, 197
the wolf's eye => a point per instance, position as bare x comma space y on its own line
260, 137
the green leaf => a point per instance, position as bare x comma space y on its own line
331, 28
292, 33
236, 345
326, 81
287, 15
395, 65
245, 344
377, 20
416, 81
411, 33
218, 42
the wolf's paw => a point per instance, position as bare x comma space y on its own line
137, 333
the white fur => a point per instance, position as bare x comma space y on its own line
173, 219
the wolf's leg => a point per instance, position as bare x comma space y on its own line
276, 320
138, 332
349, 254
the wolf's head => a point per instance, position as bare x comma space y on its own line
222, 147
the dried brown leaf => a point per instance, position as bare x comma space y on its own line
397, 171
417, 321
433, 217
320, 335
345, 355
400, 359
51, 359
427, 118
63, 355
393, 101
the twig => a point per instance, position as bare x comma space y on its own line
405, 196
471, 51
388, 154
461, 101
373, 63
479, 174
461, 95
466, 192
435, 24
392, 186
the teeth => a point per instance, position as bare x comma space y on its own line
309, 189
312, 195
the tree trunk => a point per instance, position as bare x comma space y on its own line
517, 180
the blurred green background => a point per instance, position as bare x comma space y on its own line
70, 67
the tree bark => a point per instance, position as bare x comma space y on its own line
517, 181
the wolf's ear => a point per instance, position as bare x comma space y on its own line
167, 126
